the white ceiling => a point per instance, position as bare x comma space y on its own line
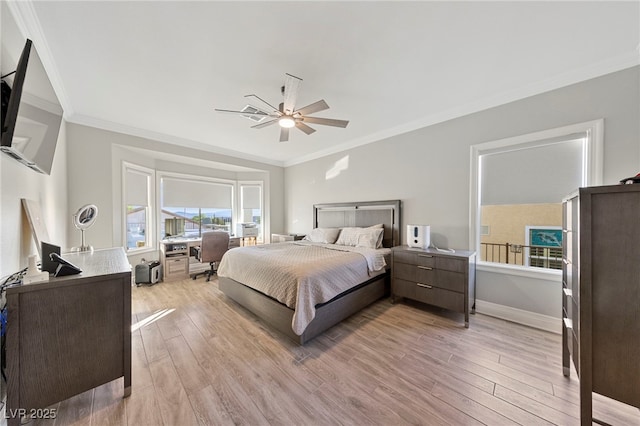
159, 68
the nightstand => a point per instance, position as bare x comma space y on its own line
439, 278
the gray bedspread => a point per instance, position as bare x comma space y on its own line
302, 274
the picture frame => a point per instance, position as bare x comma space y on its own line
36, 222
550, 236
542, 242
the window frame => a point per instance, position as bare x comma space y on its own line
198, 178
592, 175
242, 183
150, 233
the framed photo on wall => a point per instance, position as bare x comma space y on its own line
543, 246
36, 221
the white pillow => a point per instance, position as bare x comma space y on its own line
378, 226
323, 235
360, 237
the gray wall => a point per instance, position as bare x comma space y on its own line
428, 169
94, 159
17, 181
50, 191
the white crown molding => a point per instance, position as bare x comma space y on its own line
170, 139
566, 79
28, 23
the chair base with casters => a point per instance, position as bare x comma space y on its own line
208, 272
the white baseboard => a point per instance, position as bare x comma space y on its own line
531, 319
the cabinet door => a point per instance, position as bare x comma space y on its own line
176, 266
70, 339
612, 268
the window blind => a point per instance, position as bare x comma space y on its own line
194, 193
136, 188
250, 197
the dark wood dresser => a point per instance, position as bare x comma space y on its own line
601, 293
70, 334
439, 278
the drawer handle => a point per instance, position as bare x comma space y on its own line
565, 261
568, 292
425, 255
428, 268
423, 285
568, 323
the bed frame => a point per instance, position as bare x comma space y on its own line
328, 314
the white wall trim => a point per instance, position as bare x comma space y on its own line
520, 271
531, 319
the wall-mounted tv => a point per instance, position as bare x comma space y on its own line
31, 113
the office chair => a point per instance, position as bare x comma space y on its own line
213, 246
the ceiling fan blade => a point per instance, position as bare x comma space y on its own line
256, 114
326, 121
308, 130
265, 124
284, 134
321, 105
263, 101
291, 87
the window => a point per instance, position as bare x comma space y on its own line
196, 204
517, 189
138, 191
251, 205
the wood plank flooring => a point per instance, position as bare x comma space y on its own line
200, 359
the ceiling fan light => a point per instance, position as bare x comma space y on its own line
286, 122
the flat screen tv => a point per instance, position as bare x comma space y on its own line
31, 113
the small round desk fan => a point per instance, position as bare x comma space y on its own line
83, 219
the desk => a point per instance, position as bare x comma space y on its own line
177, 256
69, 334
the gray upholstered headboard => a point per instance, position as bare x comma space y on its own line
366, 213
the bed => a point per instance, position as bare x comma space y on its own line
302, 325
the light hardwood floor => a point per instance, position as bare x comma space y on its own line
199, 358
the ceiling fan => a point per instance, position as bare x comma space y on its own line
286, 115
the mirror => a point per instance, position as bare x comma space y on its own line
83, 219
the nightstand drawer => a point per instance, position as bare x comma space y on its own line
429, 294
423, 274
451, 264
454, 281
427, 275
414, 258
